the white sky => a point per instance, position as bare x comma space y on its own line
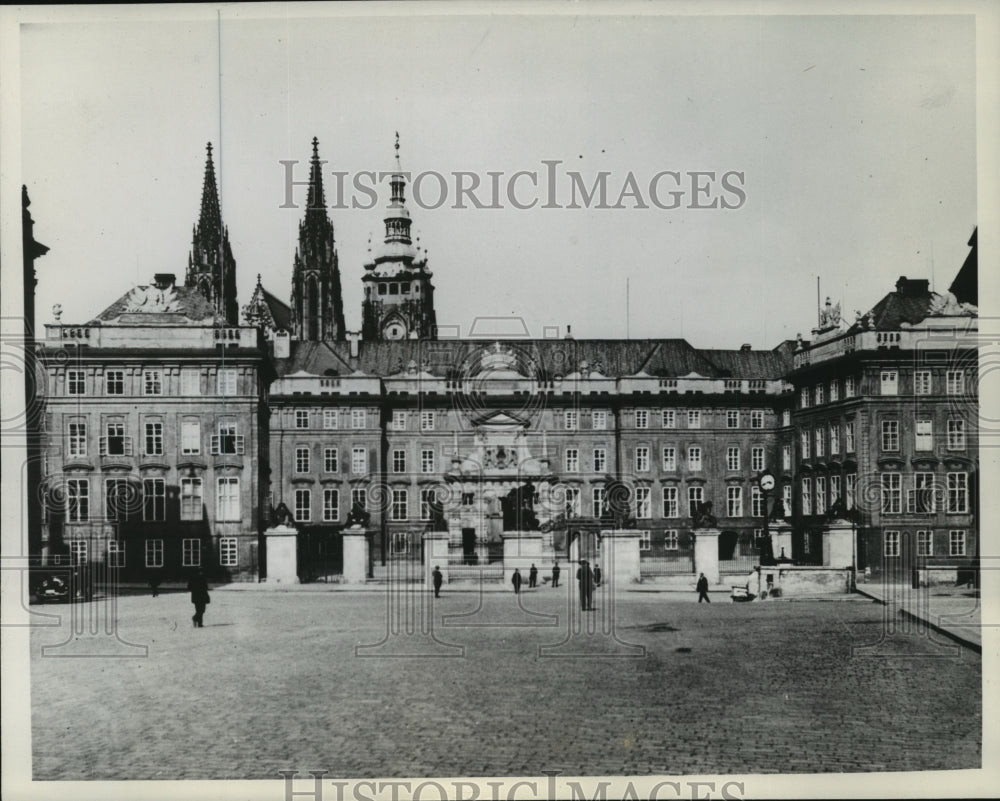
856, 134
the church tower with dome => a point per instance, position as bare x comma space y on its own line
399, 297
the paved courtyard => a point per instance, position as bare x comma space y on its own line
651, 684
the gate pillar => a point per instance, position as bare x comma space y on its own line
282, 555
355, 555
435, 555
706, 553
620, 554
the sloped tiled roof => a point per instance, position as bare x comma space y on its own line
281, 312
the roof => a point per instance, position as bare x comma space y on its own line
965, 287
281, 312
160, 303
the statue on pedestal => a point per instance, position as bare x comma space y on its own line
703, 517
358, 517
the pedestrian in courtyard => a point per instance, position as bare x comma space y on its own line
438, 581
199, 597
585, 578
703, 589
533, 576
597, 575
555, 575
516, 580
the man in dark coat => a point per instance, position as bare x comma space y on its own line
438, 580
516, 580
533, 576
555, 575
703, 589
199, 597
585, 578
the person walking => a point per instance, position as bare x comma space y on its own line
597, 575
533, 576
438, 581
703, 589
198, 587
555, 575
585, 578
516, 581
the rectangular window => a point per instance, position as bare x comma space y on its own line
820, 495
834, 489
890, 544
331, 419
192, 499
359, 498
807, 491
116, 553
190, 437
190, 382
331, 461
756, 419
955, 382
669, 459
819, 395
732, 418
115, 442
958, 493
694, 458
331, 505
302, 418
76, 382
956, 542
892, 493
786, 417
225, 383
599, 420
644, 541
359, 461
850, 388
571, 460
399, 543
427, 501
398, 421
922, 499
303, 505
400, 504
152, 382
806, 446
671, 542
302, 459
670, 505
734, 501
732, 458
597, 501
924, 435
569, 420
642, 459
890, 435
227, 499
427, 421
668, 418
694, 418
119, 502
641, 418
956, 434
643, 508
696, 496
154, 439
427, 460
804, 397
786, 499
399, 461
572, 502
850, 482
114, 382
818, 436
190, 552
922, 383
786, 457
849, 436
834, 390
757, 502
600, 460
76, 443
834, 439
154, 500
228, 552
925, 543
154, 553
229, 441
889, 382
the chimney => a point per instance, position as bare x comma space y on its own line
745, 347
912, 287
164, 280
569, 332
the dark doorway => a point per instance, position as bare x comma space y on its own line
469, 555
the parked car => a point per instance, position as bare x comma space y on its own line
61, 586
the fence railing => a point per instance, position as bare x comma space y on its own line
666, 565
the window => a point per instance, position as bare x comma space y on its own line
834, 489
849, 436
115, 442
696, 496
955, 382
303, 505
154, 439
732, 458
694, 458
190, 552
641, 418
114, 382
152, 382
757, 508
76, 444
892, 494
154, 553
922, 384
468, 498
302, 418
116, 553
925, 543
818, 436
229, 441
119, 499
569, 420
820, 495
850, 388
190, 382
921, 499
600, 460
786, 457
643, 510
599, 420
426, 460
733, 385
190, 437
834, 439
330, 460
890, 544
757, 419
889, 382
400, 502
804, 440
359, 461
834, 390
597, 501
734, 501
958, 493
694, 418
956, 542
670, 502
398, 421
924, 435
786, 417
302, 459
225, 383
732, 418
331, 505
670, 458
427, 421
890, 435
644, 541
572, 460
76, 382
850, 482
399, 542
154, 500
572, 501
786, 499
804, 397
670, 540
359, 497
819, 395
668, 418
642, 459
227, 501
399, 461
228, 552
807, 491
192, 499
956, 434
331, 419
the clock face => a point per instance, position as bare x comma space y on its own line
767, 482
395, 331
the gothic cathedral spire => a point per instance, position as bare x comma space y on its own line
211, 266
317, 303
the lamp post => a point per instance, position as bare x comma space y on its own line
764, 549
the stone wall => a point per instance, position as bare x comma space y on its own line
801, 580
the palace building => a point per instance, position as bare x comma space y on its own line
174, 434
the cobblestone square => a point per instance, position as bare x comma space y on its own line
653, 683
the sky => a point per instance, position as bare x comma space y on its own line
855, 136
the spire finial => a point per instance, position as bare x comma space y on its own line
208, 147
315, 147
397, 142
